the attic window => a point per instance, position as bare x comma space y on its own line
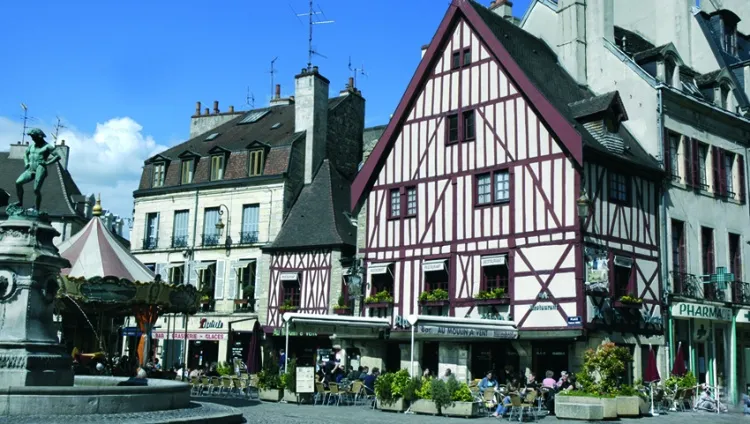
612, 124
669, 68
730, 37
255, 167
276, 125
211, 136
724, 93
253, 116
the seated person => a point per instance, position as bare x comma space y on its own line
549, 380
706, 402
369, 381
488, 382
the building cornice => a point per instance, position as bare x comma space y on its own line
248, 181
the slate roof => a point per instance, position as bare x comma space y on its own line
706, 79
318, 216
651, 53
630, 42
592, 105
58, 189
539, 63
371, 136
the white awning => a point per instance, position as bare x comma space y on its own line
202, 265
379, 268
341, 326
434, 265
174, 265
623, 261
462, 328
493, 260
289, 276
242, 263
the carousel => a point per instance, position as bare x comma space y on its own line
105, 284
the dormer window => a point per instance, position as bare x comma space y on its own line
217, 167
669, 72
730, 37
724, 92
255, 167
612, 124
187, 168
158, 180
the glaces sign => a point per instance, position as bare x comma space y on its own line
692, 310
204, 323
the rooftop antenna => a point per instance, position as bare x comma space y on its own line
250, 99
356, 71
312, 20
25, 120
58, 127
272, 72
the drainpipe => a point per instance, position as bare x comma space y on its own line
663, 251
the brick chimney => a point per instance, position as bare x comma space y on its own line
277, 100
311, 116
216, 107
350, 88
202, 123
63, 150
503, 8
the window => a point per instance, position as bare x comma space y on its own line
453, 128
674, 155
484, 189
186, 171
207, 284
730, 37
622, 280
395, 203
728, 174
702, 155
291, 292
411, 201
176, 273
669, 68
618, 188
678, 246
158, 174
456, 60
180, 229
250, 218
689, 160
735, 256
382, 282
245, 288
708, 262
217, 167
502, 186
469, 128
256, 163
210, 233
151, 240
467, 57
461, 58
495, 277
724, 99
434, 280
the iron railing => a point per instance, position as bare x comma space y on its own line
741, 292
179, 241
691, 285
209, 239
248, 237
150, 243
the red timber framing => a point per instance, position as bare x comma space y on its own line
523, 219
313, 272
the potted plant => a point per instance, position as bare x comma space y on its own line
434, 297
381, 298
393, 391
423, 403
628, 301
494, 296
341, 307
288, 306
270, 385
462, 402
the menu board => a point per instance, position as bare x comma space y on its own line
305, 380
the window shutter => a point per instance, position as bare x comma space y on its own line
219, 283
716, 160
667, 153
722, 172
192, 273
232, 292
161, 269
741, 173
687, 160
696, 163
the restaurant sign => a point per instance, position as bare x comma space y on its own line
466, 332
692, 310
180, 335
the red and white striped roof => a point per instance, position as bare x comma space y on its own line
94, 252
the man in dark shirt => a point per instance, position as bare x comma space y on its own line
370, 380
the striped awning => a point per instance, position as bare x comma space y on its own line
94, 252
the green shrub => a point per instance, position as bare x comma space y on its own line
582, 394
424, 392
400, 383
462, 394
224, 368
433, 296
685, 382
497, 293
380, 297
439, 394
602, 368
384, 388
290, 380
411, 389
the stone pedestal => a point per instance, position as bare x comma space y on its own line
30, 353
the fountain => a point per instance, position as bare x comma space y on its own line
36, 375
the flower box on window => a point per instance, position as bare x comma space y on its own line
629, 302
240, 301
494, 296
382, 297
437, 297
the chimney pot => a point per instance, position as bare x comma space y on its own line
278, 91
62, 143
206, 110
304, 71
315, 70
231, 109
216, 107
197, 108
351, 82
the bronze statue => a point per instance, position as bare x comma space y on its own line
38, 156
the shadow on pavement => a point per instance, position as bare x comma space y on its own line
227, 401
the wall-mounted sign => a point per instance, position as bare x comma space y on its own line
495, 260
743, 315
623, 261
467, 332
694, 310
574, 321
542, 295
402, 322
289, 276
206, 323
281, 332
180, 335
380, 268
435, 265
544, 307
597, 269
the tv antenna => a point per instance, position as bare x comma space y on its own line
272, 72
250, 99
25, 121
58, 126
313, 19
356, 71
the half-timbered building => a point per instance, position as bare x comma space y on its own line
500, 195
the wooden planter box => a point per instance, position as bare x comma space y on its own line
462, 409
628, 406
399, 405
301, 398
488, 302
271, 395
240, 301
434, 302
424, 406
609, 405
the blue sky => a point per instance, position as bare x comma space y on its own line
125, 76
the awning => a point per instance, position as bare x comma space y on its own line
289, 276
429, 326
338, 325
242, 263
202, 265
434, 265
244, 326
493, 260
623, 261
379, 268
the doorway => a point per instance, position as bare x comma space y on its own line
393, 358
202, 353
549, 356
430, 357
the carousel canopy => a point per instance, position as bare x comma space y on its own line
95, 252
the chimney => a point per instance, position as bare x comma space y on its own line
203, 123
216, 107
197, 109
17, 151
571, 33
277, 100
63, 150
231, 109
206, 112
277, 94
503, 8
311, 116
349, 88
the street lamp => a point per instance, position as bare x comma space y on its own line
584, 205
220, 227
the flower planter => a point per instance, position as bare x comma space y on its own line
292, 309
300, 398
628, 406
271, 395
240, 301
424, 406
621, 305
434, 302
462, 409
379, 305
609, 405
399, 405
488, 302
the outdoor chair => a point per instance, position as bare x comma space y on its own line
528, 405
252, 387
226, 386
195, 385
516, 407
334, 392
215, 385
489, 401
320, 394
205, 385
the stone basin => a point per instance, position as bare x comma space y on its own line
94, 395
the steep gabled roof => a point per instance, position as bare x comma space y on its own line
598, 104
318, 217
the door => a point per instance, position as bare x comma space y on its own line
393, 357
430, 357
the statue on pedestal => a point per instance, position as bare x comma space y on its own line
38, 156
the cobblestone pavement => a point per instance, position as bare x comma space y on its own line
274, 413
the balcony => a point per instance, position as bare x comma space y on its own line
691, 285
179, 242
209, 240
741, 292
248, 237
244, 305
150, 243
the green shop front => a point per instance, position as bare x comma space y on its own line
742, 354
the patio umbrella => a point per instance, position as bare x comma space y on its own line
652, 373
253, 354
678, 368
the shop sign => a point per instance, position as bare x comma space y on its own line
190, 336
692, 310
281, 332
597, 269
205, 323
544, 307
574, 321
289, 276
435, 265
495, 260
377, 269
466, 332
402, 322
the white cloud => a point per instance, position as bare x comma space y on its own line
109, 161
